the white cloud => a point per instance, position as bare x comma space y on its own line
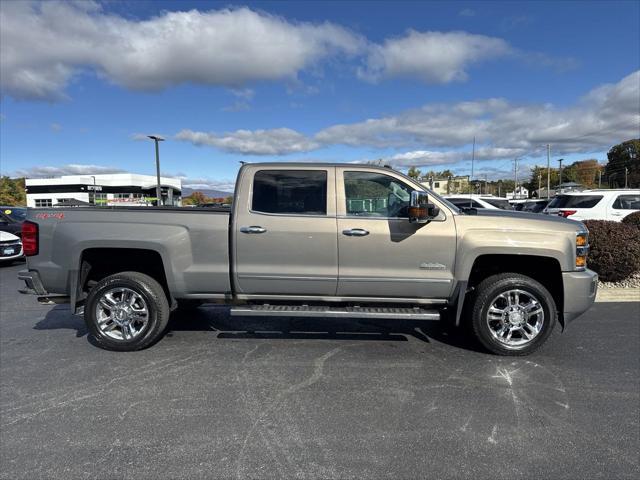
278, 141
503, 130
433, 57
43, 45
422, 158
243, 93
55, 127
605, 116
42, 171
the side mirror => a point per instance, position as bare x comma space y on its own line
420, 210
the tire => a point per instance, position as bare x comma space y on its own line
530, 315
113, 327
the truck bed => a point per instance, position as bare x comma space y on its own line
192, 243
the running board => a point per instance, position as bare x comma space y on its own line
335, 312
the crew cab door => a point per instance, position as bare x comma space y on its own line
381, 253
285, 231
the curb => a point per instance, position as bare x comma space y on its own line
618, 295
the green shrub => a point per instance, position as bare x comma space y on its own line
615, 249
632, 219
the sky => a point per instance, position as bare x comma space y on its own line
412, 83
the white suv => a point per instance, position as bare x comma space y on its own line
595, 204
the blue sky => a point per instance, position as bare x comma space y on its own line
409, 82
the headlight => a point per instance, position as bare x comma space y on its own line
582, 249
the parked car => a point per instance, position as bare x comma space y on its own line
321, 240
535, 206
8, 224
479, 201
19, 214
10, 248
595, 204
518, 205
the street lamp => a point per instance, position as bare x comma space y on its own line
157, 139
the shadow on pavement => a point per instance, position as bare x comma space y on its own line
217, 319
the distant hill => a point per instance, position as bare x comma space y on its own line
209, 193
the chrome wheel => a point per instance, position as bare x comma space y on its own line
515, 318
122, 313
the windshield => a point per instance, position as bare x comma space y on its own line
575, 201
15, 213
498, 203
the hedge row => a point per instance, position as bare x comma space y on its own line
615, 248
632, 219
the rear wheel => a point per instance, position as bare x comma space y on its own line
512, 314
126, 311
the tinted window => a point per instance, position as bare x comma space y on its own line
535, 207
498, 203
627, 202
375, 195
465, 203
575, 201
300, 192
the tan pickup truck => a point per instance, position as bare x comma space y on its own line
321, 240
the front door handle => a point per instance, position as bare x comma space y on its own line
355, 232
253, 229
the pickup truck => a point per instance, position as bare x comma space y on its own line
313, 240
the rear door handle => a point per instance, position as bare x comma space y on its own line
253, 229
355, 232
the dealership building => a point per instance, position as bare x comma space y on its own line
115, 189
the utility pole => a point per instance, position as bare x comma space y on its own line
473, 159
515, 177
626, 171
548, 171
560, 160
473, 156
157, 139
599, 178
539, 183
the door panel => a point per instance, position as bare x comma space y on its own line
395, 258
289, 253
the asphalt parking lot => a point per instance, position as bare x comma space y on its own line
305, 398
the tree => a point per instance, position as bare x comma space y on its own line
414, 172
196, 198
12, 191
539, 177
585, 172
625, 155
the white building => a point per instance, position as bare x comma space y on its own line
520, 193
104, 189
446, 186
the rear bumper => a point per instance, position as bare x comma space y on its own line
580, 290
33, 284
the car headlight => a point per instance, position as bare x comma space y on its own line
582, 249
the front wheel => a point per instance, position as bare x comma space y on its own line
126, 311
512, 314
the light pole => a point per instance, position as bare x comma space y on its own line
157, 139
560, 160
94, 189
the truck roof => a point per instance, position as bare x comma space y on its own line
315, 164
